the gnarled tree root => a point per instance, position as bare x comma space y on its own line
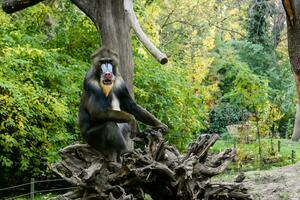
154, 168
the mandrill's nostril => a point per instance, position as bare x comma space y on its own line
107, 75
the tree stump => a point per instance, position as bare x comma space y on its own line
154, 167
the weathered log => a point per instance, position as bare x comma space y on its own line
155, 168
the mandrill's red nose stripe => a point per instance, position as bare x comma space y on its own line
107, 75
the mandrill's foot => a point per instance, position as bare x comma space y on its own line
128, 151
114, 166
162, 128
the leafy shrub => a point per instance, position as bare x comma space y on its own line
225, 114
243, 92
172, 97
39, 95
40, 83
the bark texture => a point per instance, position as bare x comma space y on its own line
296, 131
292, 8
154, 168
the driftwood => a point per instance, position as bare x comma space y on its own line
154, 167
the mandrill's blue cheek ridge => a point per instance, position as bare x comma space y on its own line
109, 66
106, 67
103, 68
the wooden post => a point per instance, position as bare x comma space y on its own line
293, 156
259, 143
272, 144
278, 146
32, 189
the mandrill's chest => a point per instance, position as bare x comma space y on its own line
104, 103
111, 102
115, 103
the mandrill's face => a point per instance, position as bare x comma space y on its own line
107, 76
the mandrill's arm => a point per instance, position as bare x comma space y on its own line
141, 114
93, 105
115, 116
111, 115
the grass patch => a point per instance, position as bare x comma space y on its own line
274, 153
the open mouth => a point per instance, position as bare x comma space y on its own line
107, 81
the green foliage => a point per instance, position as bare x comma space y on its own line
256, 56
74, 33
223, 115
257, 25
39, 100
242, 90
39, 94
167, 93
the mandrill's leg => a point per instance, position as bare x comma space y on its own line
108, 139
126, 132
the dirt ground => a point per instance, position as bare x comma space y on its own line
276, 184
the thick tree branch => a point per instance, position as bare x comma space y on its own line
128, 5
88, 7
290, 10
11, 6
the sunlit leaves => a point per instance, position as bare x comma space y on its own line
177, 95
39, 95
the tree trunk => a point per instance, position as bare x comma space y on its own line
296, 132
278, 23
292, 8
114, 30
113, 26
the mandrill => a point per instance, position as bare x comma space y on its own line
107, 113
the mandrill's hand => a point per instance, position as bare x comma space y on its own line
162, 128
133, 126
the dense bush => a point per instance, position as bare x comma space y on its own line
225, 114
39, 95
246, 89
167, 92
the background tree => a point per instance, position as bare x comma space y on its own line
292, 9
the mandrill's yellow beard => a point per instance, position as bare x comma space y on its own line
106, 89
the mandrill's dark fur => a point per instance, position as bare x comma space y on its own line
104, 119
